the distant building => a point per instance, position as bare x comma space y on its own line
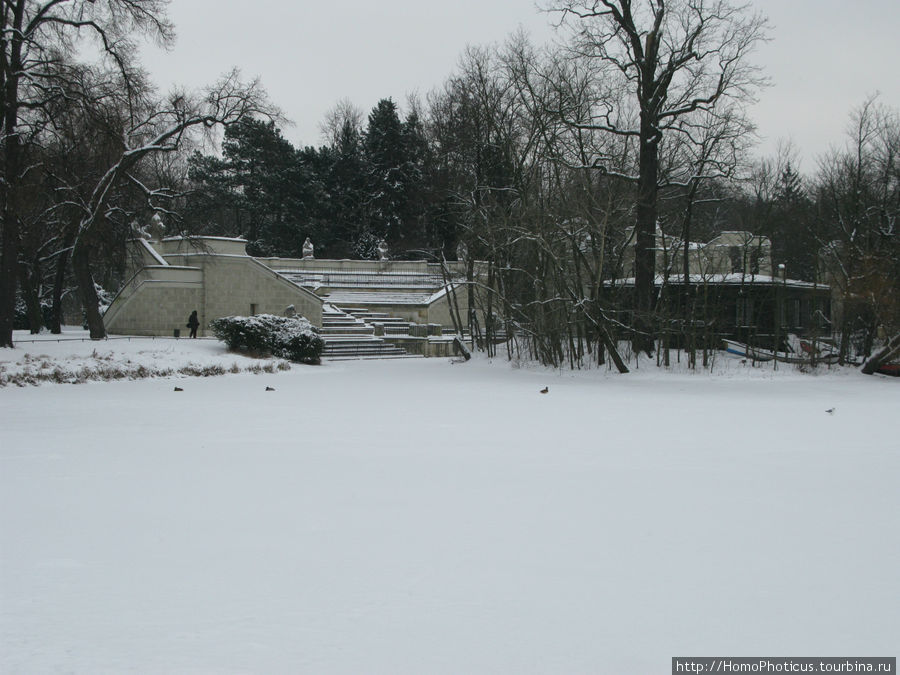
734, 289
731, 252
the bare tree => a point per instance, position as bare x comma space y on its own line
677, 57
162, 129
344, 113
36, 35
858, 195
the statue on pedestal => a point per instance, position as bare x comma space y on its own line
156, 229
382, 250
308, 250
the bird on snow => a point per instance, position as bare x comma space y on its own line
270, 388
178, 389
830, 411
545, 390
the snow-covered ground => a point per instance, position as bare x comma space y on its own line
421, 516
73, 358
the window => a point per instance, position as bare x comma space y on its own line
737, 258
744, 316
803, 319
754, 262
790, 313
252, 309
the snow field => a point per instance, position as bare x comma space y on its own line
418, 516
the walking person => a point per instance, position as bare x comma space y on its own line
193, 323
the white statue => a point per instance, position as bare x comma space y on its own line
462, 251
382, 250
308, 250
157, 228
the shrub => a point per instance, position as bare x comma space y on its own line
292, 338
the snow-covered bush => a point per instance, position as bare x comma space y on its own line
292, 338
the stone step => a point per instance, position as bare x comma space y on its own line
353, 351
386, 320
347, 342
363, 352
357, 344
337, 339
361, 329
344, 321
366, 357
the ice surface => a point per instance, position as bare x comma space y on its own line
419, 516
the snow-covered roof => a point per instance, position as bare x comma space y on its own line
732, 279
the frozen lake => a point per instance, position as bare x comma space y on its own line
419, 516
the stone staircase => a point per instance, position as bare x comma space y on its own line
392, 325
348, 336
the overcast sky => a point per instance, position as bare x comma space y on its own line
824, 58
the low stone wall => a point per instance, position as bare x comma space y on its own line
159, 298
426, 346
206, 245
157, 301
242, 286
347, 266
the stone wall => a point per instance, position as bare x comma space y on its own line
208, 245
242, 286
216, 277
156, 302
159, 298
439, 307
363, 266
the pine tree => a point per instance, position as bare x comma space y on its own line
792, 225
347, 186
275, 193
385, 160
417, 172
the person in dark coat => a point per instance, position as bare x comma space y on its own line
193, 323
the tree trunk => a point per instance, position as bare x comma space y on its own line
59, 280
29, 280
9, 240
489, 331
613, 351
8, 265
645, 235
472, 319
81, 264
844, 350
890, 351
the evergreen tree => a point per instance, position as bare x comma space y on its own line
418, 176
385, 163
262, 189
347, 187
792, 224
